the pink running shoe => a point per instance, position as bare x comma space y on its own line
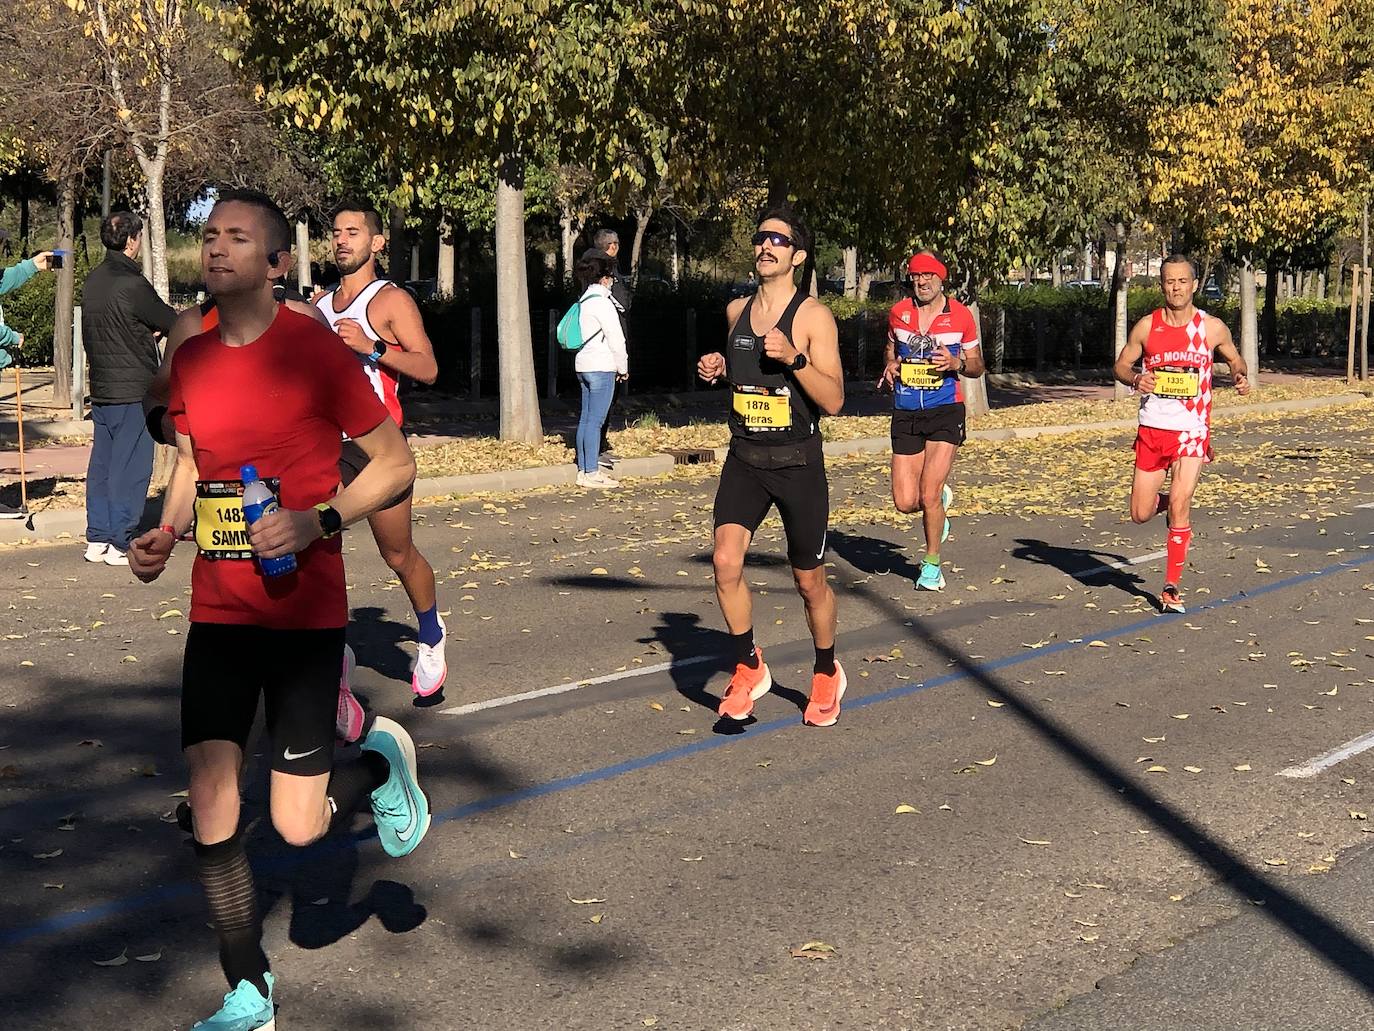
349, 719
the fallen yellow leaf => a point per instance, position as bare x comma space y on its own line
904, 808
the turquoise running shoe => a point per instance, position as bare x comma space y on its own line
244, 1009
399, 806
931, 579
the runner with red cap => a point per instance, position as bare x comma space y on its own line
1174, 347
932, 340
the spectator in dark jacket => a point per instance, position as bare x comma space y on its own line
608, 242
120, 312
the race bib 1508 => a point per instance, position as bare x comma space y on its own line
922, 376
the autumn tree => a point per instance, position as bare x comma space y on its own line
1276, 160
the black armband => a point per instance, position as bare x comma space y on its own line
154, 420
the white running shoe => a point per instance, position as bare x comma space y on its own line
601, 481
95, 552
115, 557
430, 668
583, 478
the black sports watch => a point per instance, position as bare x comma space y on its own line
331, 523
798, 363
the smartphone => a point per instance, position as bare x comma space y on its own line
59, 258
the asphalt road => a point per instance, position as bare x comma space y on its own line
1093, 784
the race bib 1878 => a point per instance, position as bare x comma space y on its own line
762, 410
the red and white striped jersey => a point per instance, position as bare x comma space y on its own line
1181, 359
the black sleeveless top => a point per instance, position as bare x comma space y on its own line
767, 404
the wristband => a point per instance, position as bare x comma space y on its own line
169, 528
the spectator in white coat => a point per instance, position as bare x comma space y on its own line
601, 363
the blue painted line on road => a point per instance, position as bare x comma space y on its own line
169, 893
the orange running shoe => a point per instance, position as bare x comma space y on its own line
746, 687
823, 707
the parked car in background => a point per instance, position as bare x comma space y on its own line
1211, 291
1083, 284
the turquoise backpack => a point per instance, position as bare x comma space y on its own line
570, 328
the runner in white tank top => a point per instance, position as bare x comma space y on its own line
382, 325
1174, 347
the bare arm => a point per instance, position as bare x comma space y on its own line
390, 469
819, 337
1124, 370
1226, 347
304, 308
148, 554
711, 367
400, 322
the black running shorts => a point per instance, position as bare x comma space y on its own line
912, 430
756, 477
296, 671
351, 461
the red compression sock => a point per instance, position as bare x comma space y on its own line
1177, 547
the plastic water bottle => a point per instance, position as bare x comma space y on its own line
258, 501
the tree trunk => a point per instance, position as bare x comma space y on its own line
395, 244
23, 221
444, 276
851, 271
66, 293
676, 258
1269, 324
1249, 329
414, 261
156, 242
304, 278
568, 230
1056, 273
642, 216
1121, 282
462, 273
865, 285
975, 387
519, 394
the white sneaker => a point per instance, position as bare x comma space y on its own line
601, 481
430, 668
583, 478
115, 557
95, 552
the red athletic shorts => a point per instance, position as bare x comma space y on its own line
1157, 449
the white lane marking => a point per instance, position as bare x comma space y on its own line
1329, 759
1122, 564
574, 685
1367, 505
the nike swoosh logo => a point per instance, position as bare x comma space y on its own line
290, 756
821, 553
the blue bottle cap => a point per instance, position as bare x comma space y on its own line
249, 473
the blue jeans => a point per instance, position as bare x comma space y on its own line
117, 477
598, 388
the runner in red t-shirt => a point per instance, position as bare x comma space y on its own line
271, 388
1174, 346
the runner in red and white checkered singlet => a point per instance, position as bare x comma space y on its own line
1174, 347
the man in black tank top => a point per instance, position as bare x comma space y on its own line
782, 363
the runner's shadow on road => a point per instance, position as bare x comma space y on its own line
376, 641
697, 654
874, 555
1090, 568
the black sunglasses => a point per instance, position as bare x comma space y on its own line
776, 239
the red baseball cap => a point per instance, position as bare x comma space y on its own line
927, 263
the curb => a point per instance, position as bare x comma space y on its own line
72, 522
